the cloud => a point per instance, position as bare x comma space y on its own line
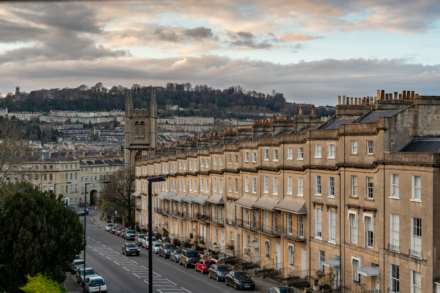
180, 34
54, 33
295, 37
248, 40
318, 81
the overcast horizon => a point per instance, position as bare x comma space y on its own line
308, 50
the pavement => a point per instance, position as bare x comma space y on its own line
129, 274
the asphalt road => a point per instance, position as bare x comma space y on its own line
129, 274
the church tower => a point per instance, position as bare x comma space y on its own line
140, 130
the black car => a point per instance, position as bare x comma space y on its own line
130, 248
218, 272
239, 280
189, 258
166, 249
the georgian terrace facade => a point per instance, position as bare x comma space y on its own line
353, 203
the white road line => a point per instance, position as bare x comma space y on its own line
126, 269
136, 275
116, 263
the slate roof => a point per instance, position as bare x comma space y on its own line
423, 145
334, 123
374, 116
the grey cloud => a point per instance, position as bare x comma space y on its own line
67, 16
16, 32
179, 34
319, 81
248, 40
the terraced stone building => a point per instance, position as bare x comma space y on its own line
352, 202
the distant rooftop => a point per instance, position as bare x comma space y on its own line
423, 145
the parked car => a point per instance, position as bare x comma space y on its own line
83, 212
218, 271
129, 234
80, 274
175, 254
165, 250
109, 227
95, 284
130, 248
113, 229
239, 280
203, 266
76, 264
120, 231
156, 246
139, 238
281, 290
189, 258
145, 241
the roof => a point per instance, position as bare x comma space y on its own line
335, 123
423, 145
374, 116
293, 205
265, 203
246, 201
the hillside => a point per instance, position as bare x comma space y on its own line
185, 99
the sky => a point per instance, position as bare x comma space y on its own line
309, 50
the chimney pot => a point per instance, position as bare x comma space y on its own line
382, 94
413, 95
339, 100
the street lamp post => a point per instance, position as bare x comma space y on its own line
151, 180
85, 226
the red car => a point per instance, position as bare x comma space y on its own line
203, 266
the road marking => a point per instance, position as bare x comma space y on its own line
126, 269
136, 275
116, 263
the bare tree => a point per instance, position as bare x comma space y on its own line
117, 196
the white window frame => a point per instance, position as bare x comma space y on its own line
331, 186
266, 154
275, 154
274, 185
355, 276
331, 151
369, 229
291, 254
254, 157
300, 154
246, 184
369, 192
394, 232
317, 151
289, 190
254, 184
416, 237
354, 186
395, 188
265, 184
300, 187
393, 279
289, 153
416, 188
354, 147
353, 230
318, 185
332, 223
370, 147
321, 260
318, 222
416, 282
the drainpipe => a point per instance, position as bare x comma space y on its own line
310, 204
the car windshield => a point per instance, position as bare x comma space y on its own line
88, 272
168, 246
97, 282
129, 231
242, 276
78, 261
285, 290
131, 245
141, 236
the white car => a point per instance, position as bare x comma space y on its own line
156, 246
96, 284
109, 227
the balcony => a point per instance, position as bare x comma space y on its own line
274, 231
218, 220
203, 218
294, 236
250, 225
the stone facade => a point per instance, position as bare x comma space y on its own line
353, 202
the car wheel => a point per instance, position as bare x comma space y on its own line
236, 287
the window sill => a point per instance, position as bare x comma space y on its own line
331, 158
369, 198
300, 159
332, 242
416, 200
332, 196
393, 197
318, 237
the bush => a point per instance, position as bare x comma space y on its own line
41, 284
